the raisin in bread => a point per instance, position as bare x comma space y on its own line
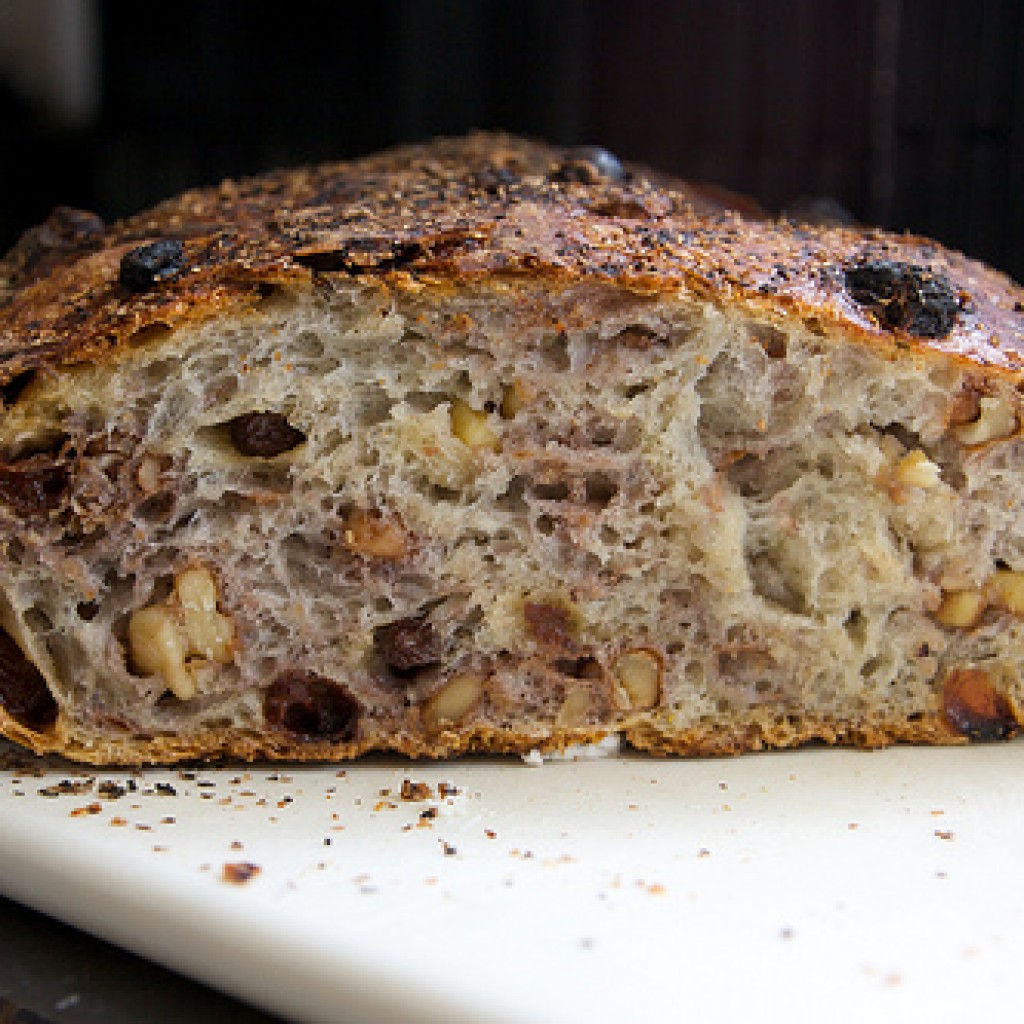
490, 446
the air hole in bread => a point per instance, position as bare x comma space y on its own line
600, 489
557, 490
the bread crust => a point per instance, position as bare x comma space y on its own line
462, 210
756, 730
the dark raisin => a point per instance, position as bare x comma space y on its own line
589, 164
264, 434
33, 485
12, 390
24, 694
311, 707
904, 297
145, 266
975, 708
407, 645
549, 624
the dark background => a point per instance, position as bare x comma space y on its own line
908, 112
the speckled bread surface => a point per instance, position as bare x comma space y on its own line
486, 445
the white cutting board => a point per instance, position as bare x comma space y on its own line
818, 884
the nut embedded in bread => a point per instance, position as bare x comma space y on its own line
485, 445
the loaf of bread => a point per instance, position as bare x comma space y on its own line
491, 446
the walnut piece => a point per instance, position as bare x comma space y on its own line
996, 420
167, 639
454, 701
472, 427
639, 674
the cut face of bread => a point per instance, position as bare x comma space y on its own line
486, 446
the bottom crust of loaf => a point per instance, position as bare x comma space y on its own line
759, 730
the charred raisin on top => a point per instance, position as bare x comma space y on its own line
24, 694
64, 234
311, 707
146, 265
904, 296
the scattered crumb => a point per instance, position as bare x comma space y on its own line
490, 833
237, 845
78, 812
944, 833
703, 852
786, 933
415, 790
67, 787
853, 826
118, 822
447, 849
445, 789
240, 872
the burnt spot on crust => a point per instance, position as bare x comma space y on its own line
408, 645
33, 486
588, 165
361, 255
146, 265
903, 296
975, 708
24, 694
311, 707
264, 434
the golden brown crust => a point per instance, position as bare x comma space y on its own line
462, 210
755, 730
